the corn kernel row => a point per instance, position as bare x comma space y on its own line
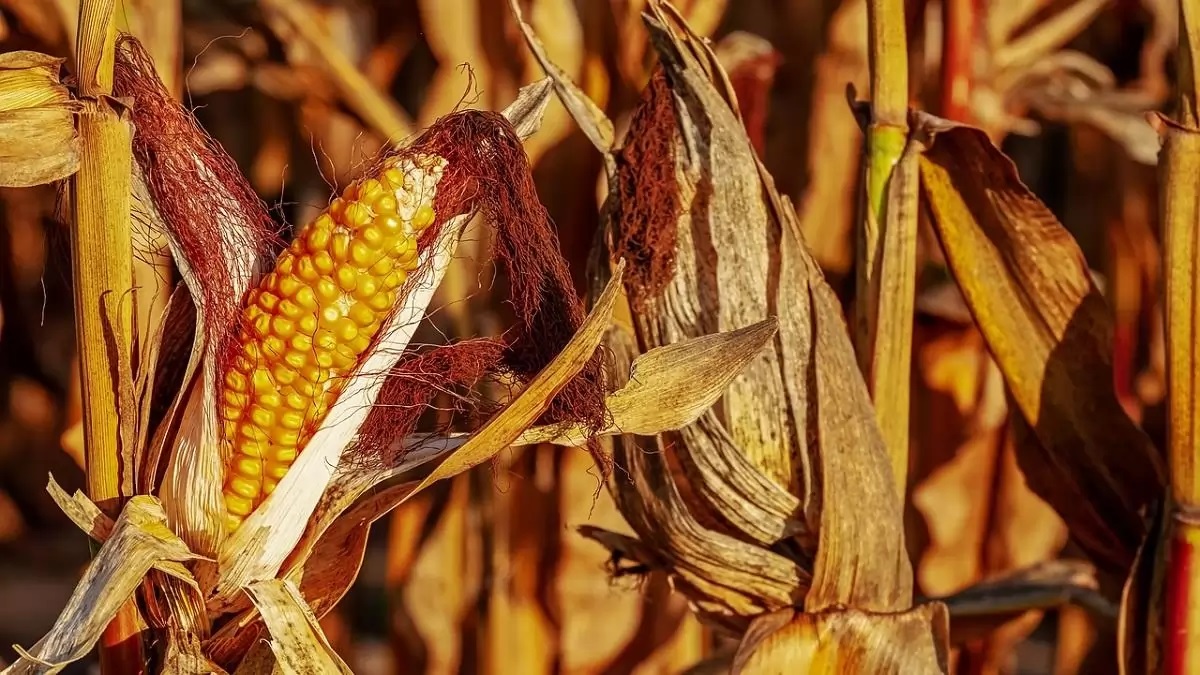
310, 320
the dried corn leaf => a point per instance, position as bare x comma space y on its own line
669, 387
184, 656
981, 608
738, 258
37, 126
506, 426
296, 639
1049, 330
847, 642
139, 541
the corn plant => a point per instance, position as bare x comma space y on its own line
237, 457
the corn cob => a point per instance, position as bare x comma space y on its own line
309, 321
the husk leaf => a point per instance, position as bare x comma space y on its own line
845, 642
296, 639
139, 541
1050, 331
38, 142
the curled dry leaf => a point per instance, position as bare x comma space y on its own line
1049, 329
139, 540
38, 143
846, 641
296, 639
793, 450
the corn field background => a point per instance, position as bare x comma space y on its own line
1022, 404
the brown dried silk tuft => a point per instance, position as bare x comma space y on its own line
200, 191
645, 233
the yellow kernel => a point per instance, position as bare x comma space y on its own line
277, 471
269, 282
327, 290
325, 340
367, 287
289, 285
283, 374
270, 400
273, 346
313, 374
381, 302
283, 455
236, 400
369, 189
244, 487
262, 417
316, 238
423, 218
347, 278
291, 420
232, 521
323, 262
285, 437
325, 359
361, 314
385, 204
389, 224
382, 267
362, 254
304, 387
296, 360
269, 487
307, 270
307, 324
371, 236
268, 301
236, 381
238, 506
261, 323
358, 215
343, 358
283, 327
248, 467
405, 253
340, 246
330, 316
297, 402
345, 329
286, 266
262, 381
395, 177
360, 343
301, 343
306, 299
393, 280
337, 210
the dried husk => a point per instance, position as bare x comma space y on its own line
38, 142
138, 541
1050, 332
846, 641
798, 426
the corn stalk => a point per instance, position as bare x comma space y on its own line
101, 257
886, 250
1181, 207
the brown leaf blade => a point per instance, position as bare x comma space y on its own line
1049, 329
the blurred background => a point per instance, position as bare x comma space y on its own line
485, 573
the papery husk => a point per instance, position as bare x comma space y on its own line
296, 639
138, 541
1050, 332
38, 142
814, 437
844, 642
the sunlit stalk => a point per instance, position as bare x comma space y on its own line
101, 257
886, 247
1180, 167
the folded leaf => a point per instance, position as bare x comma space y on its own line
38, 143
296, 639
1049, 329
